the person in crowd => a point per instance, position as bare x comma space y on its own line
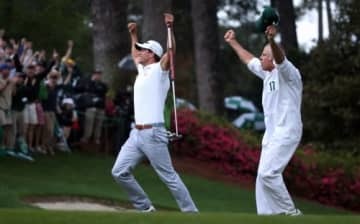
34, 115
49, 104
70, 72
67, 117
19, 100
124, 112
95, 91
7, 87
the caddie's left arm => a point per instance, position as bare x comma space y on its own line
276, 51
285, 67
165, 59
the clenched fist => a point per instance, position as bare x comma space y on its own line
169, 19
270, 32
132, 27
229, 36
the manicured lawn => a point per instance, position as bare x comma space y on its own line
17, 216
89, 175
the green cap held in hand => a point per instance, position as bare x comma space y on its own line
268, 17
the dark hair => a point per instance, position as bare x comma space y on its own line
157, 58
42, 64
97, 72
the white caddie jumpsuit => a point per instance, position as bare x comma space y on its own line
281, 100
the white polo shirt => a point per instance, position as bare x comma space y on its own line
150, 91
281, 100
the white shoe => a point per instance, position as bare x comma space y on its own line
295, 212
150, 209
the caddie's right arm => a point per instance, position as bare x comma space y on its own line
244, 55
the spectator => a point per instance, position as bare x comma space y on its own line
95, 90
6, 91
49, 105
69, 71
34, 116
67, 116
27, 55
124, 113
17, 109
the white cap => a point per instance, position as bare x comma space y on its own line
151, 45
68, 101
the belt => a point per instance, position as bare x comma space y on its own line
148, 126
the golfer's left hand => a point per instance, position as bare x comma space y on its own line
169, 18
271, 32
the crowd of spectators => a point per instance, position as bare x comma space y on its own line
47, 103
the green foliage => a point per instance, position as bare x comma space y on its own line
250, 137
342, 158
331, 105
49, 24
236, 78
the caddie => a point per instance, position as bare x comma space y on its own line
281, 101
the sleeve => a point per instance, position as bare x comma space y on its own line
164, 74
18, 66
2, 84
254, 66
288, 71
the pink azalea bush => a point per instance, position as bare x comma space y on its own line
225, 146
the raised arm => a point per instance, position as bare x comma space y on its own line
165, 59
132, 27
68, 53
277, 52
244, 55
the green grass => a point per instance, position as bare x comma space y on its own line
89, 175
30, 217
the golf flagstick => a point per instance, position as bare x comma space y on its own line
176, 135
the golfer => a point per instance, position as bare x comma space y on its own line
281, 100
149, 138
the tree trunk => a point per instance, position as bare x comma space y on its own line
206, 44
153, 26
287, 23
329, 17
110, 35
320, 22
273, 3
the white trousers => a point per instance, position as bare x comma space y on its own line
272, 197
152, 144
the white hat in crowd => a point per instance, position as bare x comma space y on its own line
151, 45
68, 101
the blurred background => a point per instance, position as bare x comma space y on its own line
321, 38
85, 44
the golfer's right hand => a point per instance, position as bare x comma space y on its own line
229, 36
132, 27
169, 19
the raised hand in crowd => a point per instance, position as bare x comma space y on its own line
70, 43
42, 55
55, 54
